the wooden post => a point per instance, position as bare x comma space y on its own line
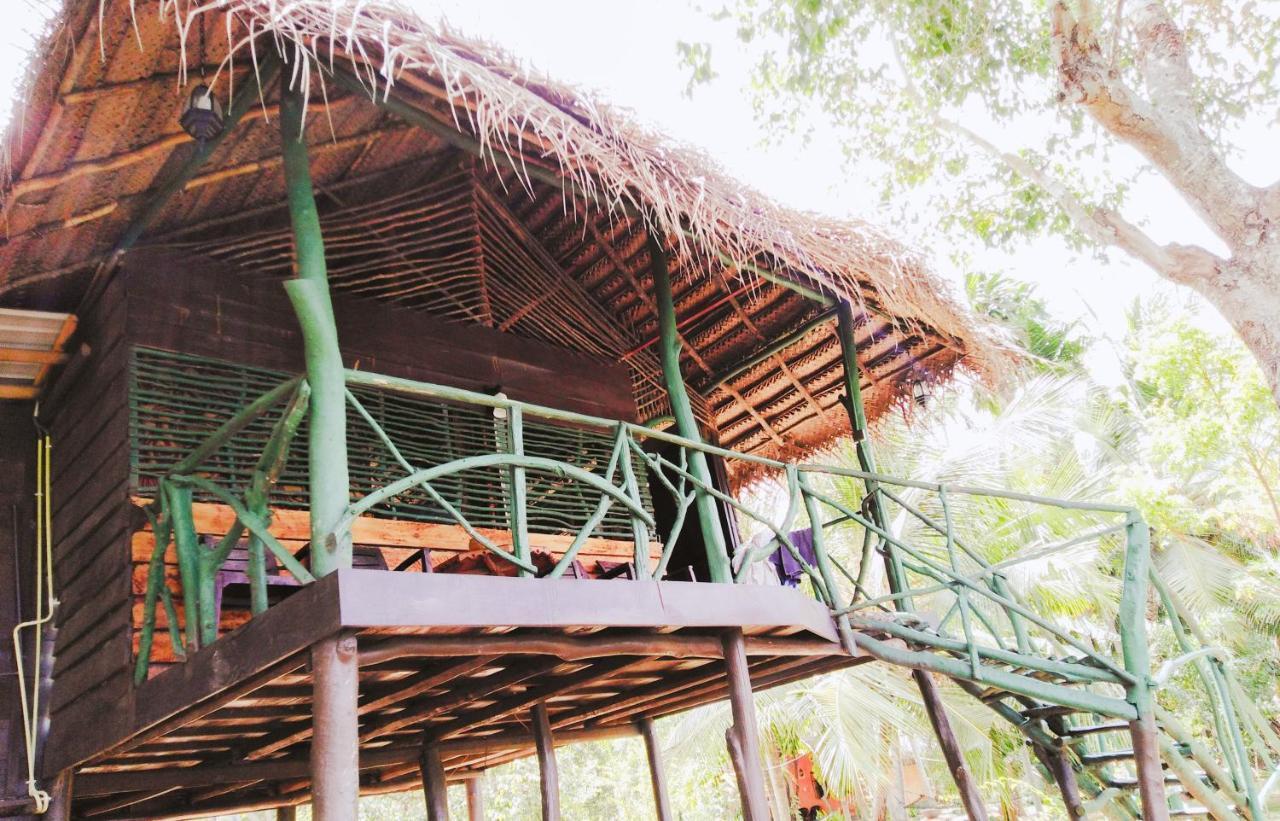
657, 773
550, 775
1137, 661
951, 750
335, 759
897, 579
1059, 766
59, 798
335, 776
1146, 757
686, 424
434, 787
744, 743
289, 813
475, 800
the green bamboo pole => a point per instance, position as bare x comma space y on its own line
184, 540
155, 579
866, 461
686, 423
334, 765
257, 496
1133, 614
309, 293
824, 562
519, 497
898, 582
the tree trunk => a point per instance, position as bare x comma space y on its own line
1248, 296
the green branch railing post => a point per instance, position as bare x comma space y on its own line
687, 425
335, 777
518, 502
898, 583
1137, 661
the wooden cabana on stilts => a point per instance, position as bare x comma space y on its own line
402, 427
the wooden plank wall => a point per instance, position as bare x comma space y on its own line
202, 308
17, 537
89, 423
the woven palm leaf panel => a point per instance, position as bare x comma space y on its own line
176, 401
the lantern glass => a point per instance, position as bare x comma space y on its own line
202, 114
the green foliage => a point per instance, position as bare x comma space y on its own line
1053, 345
885, 72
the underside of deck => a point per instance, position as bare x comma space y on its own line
457, 659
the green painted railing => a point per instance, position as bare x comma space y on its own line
894, 559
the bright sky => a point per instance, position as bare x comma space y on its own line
627, 53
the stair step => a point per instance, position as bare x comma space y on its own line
1048, 711
1107, 757
1132, 783
1094, 729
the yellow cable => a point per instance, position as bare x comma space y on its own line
43, 595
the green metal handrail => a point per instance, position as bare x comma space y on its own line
1002, 641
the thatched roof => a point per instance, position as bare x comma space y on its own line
505, 199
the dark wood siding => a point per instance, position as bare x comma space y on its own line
202, 308
162, 300
17, 537
89, 424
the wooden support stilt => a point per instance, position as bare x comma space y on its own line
475, 800
1059, 766
335, 761
286, 814
1146, 757
951, 750
434, 787
657, 772
335, 776
546, 763
59, 798
744, 741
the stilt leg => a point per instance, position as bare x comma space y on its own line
950, 746
335, 773
546, 763
657, 774
475, 800
755, 806
286, 814
1146, 755
434, 786
59, 798
1059, 766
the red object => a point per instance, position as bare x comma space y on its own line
810, 796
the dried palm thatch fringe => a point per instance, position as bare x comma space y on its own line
608, 161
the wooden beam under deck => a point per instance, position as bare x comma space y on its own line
231, 728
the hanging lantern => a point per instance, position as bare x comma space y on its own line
920, 393
202, 114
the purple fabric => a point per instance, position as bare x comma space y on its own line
790, 570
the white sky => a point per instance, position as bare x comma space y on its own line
627, 53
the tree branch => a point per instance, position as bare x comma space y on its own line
1166, 129
1105, 226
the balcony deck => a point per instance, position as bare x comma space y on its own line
461, 656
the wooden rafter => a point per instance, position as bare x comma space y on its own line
620, 265
777, 358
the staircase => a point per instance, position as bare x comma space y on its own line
1096, 748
